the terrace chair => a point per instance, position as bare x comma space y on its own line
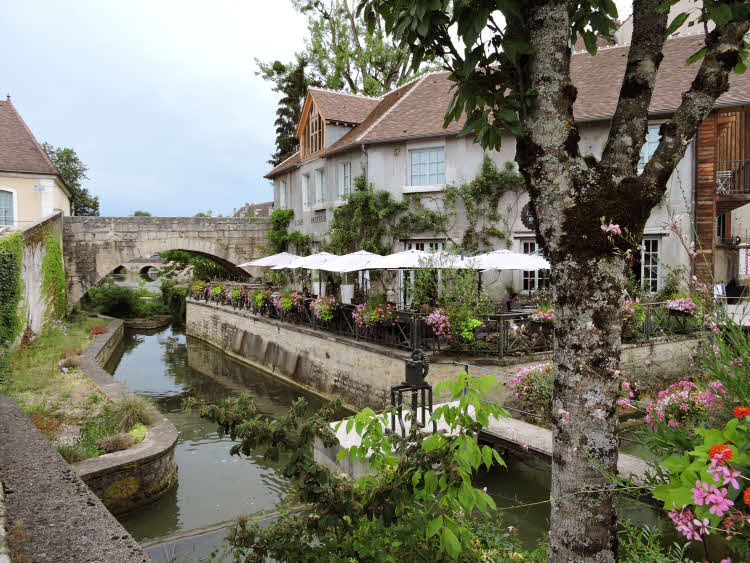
723, 182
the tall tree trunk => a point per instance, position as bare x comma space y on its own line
587, 297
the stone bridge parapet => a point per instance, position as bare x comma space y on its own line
94, 246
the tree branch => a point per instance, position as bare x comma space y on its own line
630, 122
722, 54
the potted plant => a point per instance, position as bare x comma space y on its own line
542, 319
324, 308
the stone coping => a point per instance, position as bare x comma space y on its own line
160, 437
58, 517
439, 358
160, 321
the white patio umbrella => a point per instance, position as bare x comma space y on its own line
280, 259
312, 262
415, 259
507, 260
354, 262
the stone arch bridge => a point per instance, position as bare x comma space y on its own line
95, 246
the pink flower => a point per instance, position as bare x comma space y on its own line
719, 501
701, 492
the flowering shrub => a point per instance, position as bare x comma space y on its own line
440, 323
703, 494
297, 300
543, 314
533, 385
217, 290
234, 293
375, 312
198, 287
683, 404
682, 305
260, 297
324, 307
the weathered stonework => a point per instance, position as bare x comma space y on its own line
361, 373
130, 478
94, 246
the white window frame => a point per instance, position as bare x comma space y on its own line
532, 280
432, 182
654, 263
283, 202
649, 147
306, 203
346, 179
14, 199
320, 188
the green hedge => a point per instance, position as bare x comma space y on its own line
11, 291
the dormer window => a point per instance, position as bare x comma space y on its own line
313, 134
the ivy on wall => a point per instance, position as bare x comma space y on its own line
481, 202
279, 236
11, 292
372, 219
53, 279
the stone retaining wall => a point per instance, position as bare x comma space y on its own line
361, 373
131, 478
51, 515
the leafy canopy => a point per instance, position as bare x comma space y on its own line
73, 171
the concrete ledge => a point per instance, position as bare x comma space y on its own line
53, 516
137, 476
161, 321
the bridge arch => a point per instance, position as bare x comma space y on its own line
95, 246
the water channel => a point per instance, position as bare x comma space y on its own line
214, 487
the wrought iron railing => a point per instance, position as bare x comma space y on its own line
732, 177
500, 335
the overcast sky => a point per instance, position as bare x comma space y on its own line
158, 98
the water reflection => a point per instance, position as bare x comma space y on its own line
134, 280
212, 485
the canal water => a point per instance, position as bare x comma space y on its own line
214, 487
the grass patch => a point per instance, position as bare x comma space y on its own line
131, 411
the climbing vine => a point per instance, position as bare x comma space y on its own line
280, 237
11, 291
372, 219
53, 278
481, 201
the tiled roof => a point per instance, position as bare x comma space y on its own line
598, 79
417, 109
340, 106
19, 150
283, 165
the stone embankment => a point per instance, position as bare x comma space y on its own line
130, 478
51, 515
362, 373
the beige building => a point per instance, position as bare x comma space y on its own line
30, 186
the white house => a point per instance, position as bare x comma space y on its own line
399, 143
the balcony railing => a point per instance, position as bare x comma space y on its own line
733, 177
501, 335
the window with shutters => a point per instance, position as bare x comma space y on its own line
347, 179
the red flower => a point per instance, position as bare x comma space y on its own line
720, 452
746, 496
739, 412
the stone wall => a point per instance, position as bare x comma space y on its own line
94, 246
35, 301
51, 515
361, 373
131, 478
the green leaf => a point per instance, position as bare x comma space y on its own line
676, 23
466, 497
487, 456
431, 442
698, 55
434, 527
676, 464
430, 483
450, 543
